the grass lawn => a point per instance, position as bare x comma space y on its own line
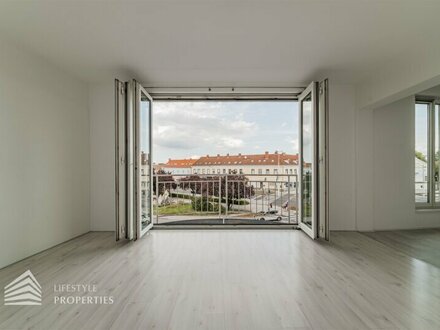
175, 209
180, 209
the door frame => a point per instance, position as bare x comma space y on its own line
138, 91
312, 91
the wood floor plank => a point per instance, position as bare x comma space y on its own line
244, 279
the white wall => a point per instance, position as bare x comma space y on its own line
342, 156
364, 170
393, 164
400, 77
102, 145
44, 159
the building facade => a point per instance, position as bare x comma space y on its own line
178, 166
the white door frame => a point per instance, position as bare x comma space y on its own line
312, 91
138, 92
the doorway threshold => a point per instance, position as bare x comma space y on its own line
226, 226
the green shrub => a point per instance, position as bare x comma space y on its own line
204, 205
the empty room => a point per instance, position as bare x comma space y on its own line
219, 164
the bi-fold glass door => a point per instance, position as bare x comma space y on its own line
134, 173
313, 160
134, 170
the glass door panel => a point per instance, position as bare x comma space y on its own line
144, 214
308, 160
421, 153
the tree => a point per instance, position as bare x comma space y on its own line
420, 156
165, 181
215, 187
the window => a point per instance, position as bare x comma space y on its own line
224, 171
275, 171
241, 171
260, 171
427, 153
267, 171
252, 171
208, 171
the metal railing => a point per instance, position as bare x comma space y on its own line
225, 199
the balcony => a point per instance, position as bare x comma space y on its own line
225, 199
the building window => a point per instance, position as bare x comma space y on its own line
267, 171
218, 171
287, 171
260, 171
275, 171
203, 171
241, 171
224, 171
208, 171
427, 153
252, 171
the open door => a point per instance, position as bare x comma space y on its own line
143, 163
313, 160
323, 161
133, 165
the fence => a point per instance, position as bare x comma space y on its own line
225, 199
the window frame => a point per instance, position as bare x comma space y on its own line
431, 102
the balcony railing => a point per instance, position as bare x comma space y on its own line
225, 199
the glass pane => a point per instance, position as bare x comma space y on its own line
307, 158
144, 145
421, 153
437, 154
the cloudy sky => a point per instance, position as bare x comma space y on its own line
191, 129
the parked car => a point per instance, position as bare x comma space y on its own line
270, 215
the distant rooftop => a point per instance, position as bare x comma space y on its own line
180, 163
267, 158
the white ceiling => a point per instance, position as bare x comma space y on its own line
238, 43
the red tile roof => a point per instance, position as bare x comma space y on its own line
180, 163
259, 159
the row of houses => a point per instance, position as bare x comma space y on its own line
263, 166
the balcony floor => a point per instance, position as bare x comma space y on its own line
227, 279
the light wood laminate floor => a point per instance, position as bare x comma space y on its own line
422, 244
231, 279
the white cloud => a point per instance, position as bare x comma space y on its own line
187, 125
231, 142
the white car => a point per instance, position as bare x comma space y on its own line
271, 215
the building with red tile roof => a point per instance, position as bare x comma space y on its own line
267, 163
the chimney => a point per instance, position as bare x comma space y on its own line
239, 155
227, 155
207, 156
266, 152
276, 152
218, 155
